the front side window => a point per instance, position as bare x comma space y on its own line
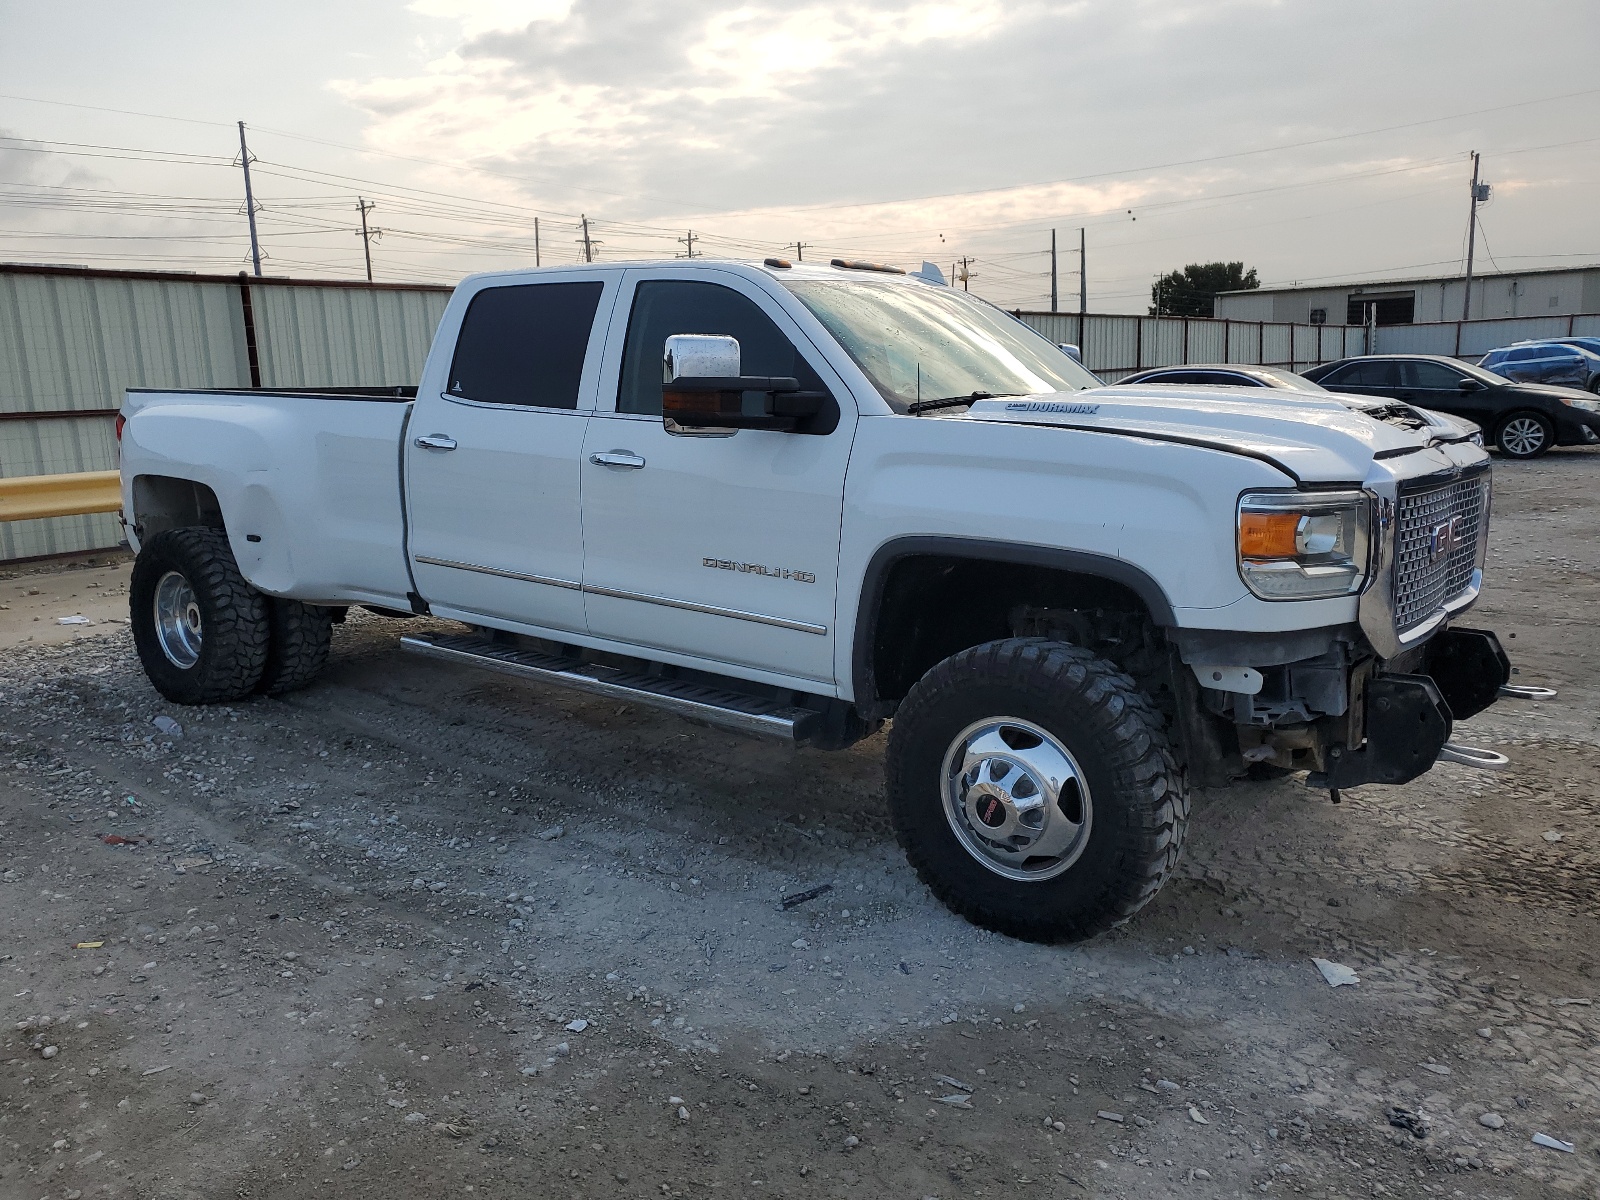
663, 307
525, 344
1435, 377
931, 343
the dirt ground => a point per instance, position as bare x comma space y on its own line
422, 932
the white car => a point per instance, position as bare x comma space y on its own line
798, 500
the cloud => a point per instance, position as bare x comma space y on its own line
706, 95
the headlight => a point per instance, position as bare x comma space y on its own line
1477, 439
1303, 545
1586, 405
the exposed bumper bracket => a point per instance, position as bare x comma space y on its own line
1470, 668
1407, 725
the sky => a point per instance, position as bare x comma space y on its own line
1314, 142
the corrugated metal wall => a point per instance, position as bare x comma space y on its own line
343, 337
1114, 345
72, 340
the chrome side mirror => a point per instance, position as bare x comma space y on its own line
703, 389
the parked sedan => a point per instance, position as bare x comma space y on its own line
1225, 375
1545, 362
1237, 375
1523, 419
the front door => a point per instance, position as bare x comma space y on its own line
721, 547
1438, 386
492, 463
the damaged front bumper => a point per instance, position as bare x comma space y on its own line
1406, 719
1349, 718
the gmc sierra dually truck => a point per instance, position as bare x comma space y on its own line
799, 500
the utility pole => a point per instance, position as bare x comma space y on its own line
689, 241
1480, 193
588, 246
1083, 278
965, 274
1052, 270
367, 234
800, 251
536, 261
249, 201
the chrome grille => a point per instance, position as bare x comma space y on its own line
1425, 577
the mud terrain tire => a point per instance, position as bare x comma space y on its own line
1131, 805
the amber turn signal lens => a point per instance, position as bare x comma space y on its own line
1267, 535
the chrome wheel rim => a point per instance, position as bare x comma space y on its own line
178, 627
1016, 799
1522, 436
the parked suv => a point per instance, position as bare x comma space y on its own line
1523, 419
1545, 362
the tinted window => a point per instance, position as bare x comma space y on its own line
1435, 376
1523, 355
1228, 379
1344, 374
525, 344
1375, 372
662, 308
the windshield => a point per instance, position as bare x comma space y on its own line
1289, 380
926, 343
1482, 374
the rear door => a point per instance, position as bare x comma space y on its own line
721, 546
492, 461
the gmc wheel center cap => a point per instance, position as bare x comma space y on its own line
991, 810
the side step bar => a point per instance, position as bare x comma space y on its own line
702, 702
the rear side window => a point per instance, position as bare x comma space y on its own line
525, 344
663, 307
1375, 372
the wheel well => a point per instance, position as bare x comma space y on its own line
931, 606
161, 502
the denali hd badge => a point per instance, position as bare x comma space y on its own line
727, 564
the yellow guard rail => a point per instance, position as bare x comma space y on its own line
29, 497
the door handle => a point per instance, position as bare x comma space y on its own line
436, 441
626, 459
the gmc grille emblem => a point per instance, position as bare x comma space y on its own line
1447, 536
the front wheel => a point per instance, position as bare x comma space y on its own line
1525, 435
201, 631
1035, 791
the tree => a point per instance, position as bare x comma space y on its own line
1189, 292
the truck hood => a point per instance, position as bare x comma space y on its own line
1313, 438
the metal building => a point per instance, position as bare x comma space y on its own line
1568, 292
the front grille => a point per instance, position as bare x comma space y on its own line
1424, 578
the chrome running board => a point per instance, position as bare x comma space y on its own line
698, 701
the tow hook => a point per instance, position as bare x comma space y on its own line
1522, 691
1473, 756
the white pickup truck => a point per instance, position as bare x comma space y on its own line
798, 500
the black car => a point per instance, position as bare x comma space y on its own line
1223, 375
1523, 419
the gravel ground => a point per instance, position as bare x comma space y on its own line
422, 932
